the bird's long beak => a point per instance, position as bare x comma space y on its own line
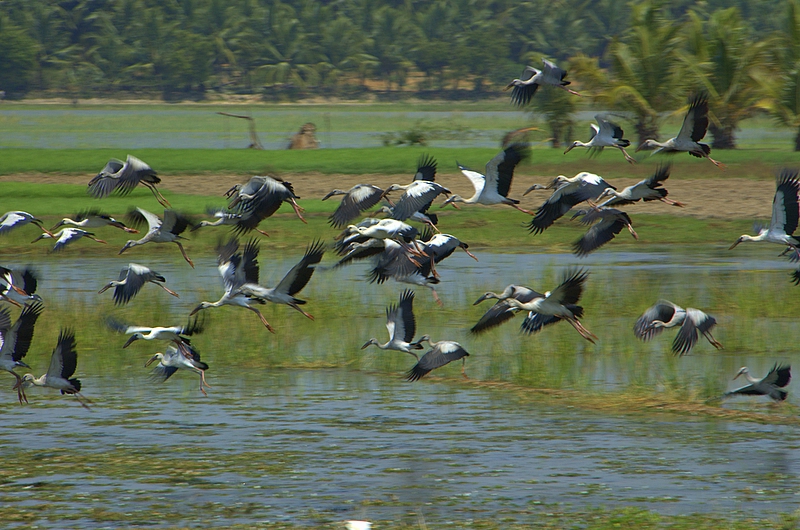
479, 300
534, 188
150, 360
508, 86
196, 309
98, 240
104, 289
59, 224
639, 147
734, 244
20, 363
737, 376
365, 345
38, 238
133, 338
569, 148
330, 194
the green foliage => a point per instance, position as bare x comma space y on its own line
17, 58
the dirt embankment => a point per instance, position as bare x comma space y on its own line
723, 198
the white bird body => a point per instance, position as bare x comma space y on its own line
167, 231
18, 288
239, 222
66, 236
63, 363
123, 177
173, 360
502, 310
402, 326
550, 74
493, 187
608, 134
93, 219
568, 192
649, 189
441, 353
664, 314
785, 214
693, 129
178, 335
16, 341
131, 279
771, 385
14, 219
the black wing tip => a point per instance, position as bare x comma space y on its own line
416, 373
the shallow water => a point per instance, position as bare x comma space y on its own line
329, 445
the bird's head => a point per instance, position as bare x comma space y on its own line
453, 199
24, 382
369, 343
485, 296
743, 237
200, 307
44, 235
742, 371
157, 357
134, 337
130, 243
393, 187
60, 224
333, 193
573, 145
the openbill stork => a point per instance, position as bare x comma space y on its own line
402, 327
131, 279
16, 341
93, 219
240, 222
441, 353
18, 288
167, 231
664, 314
771, 385
63, 362
178, 335
419, 195
123, 177
605, 223
649, 189
66, 236
11, 220
607, 134
261, 197
524, 89
172, 360
240, 273
785, 214
428, 218
357, 199
502, 310
694, 127
493, 187
569, 191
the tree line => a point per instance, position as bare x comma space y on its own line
639, 57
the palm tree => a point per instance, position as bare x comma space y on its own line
724, 60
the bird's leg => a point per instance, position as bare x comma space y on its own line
633, 232
297, 209
295, 306
585, 333
672, 203
130, 230
262, 232
436, 297
470, 254
203, 390
263, 320
82, 400
433, 226
203, 379
45, 230
718, 164
189, 261
157, 194
714, 342
464, 367
628, 157
98, 240
414, 354
20, 389
523, 210
570, 91
173, 293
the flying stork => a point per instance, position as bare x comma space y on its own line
664, 314
493, 187
550, 74
261, 197
178, 335
605, 223
771, 385
168, 231
402, 327
123, 177
608, 134
16, 341
241, 222
357, 199
649, 189
65, 236
63, 362
502, 310
694, 127
172, 360
11, 220
443, 352
568, 192
18, 288
93, 219
131, 279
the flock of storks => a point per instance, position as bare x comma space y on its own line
399, 251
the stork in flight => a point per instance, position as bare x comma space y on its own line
172, 360
568, 192
441, 353
607, 134
261, 197
123, 177
694, 127
649, 189
771, 385
16, 341
493, 187
605, 223
550, 74
785, 214
402, 327
11, 220
131, 279
167, 231
664, 314
93, 219
357, 199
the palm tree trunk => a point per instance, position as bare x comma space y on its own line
647, 128
724, 137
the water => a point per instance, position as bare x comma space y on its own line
321, 446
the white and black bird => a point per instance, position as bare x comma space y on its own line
122, 177
441, 353
664, 314
178, 335
67, 236
15, 219
63, 362
16, 341
649, 189
172, 360
261, 197
419, 195
239, 222
605, 223
694, 127
558, 304
493, 187
167, 231
132, 278
18, 287
785, 214
607, 134
568, 192
532, 78
771, 385
357, 199
502, 310
93, 219
402, 326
